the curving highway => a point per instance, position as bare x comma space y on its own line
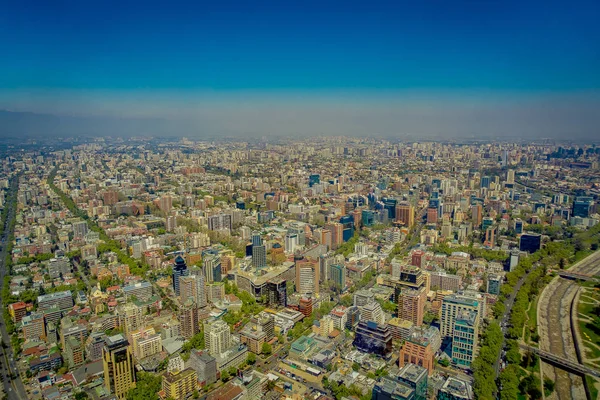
554, 327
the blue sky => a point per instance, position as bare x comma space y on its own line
86, 53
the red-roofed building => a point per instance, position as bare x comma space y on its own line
229, 391
17, 311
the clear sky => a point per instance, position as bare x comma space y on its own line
79, 56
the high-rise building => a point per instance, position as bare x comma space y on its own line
530, 242
464, 338
417, 258
518, 226
277, 290
389, 204
337, 274
179, 385
80, 229
510, 176
165, 203
432, 215
455, 389
451, 307
217, 337
130, 317
352, 317
63, 300
314, 179
93, 346
259, 256
368, 218
347, 222
582, 206
372, 312
305, 306
493, 284
212, 268
373, 338
485, 182
170, 223
193, 287
188, 319
476, 214
415, 377
405, 214
34, 327
420, 348
205, 366
388, 388
73, 352
256, 239
411, 305
444, 281
119, 371
179, 269
307, 277
219, 222
145, 343
362, 297
337, 233
291, 242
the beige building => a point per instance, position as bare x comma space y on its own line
145, 343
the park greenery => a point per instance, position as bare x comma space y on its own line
555, 254
488, 255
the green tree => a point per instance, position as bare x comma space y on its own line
224, 376
147, 387
251, 359
267, 349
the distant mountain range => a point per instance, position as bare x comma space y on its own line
33, 125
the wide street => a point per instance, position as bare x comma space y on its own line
13, 386
510, 301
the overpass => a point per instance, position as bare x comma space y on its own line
561, 362
578, 276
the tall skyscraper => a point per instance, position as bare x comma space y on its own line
277, 289
405, 214
347, 222
464, 338
307, 277
259, 256
476, 214
510, 176
432, 215
194, 287
256, 239
337, 274
485, 182
119, 372
411, 305
451, 307
179, 269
